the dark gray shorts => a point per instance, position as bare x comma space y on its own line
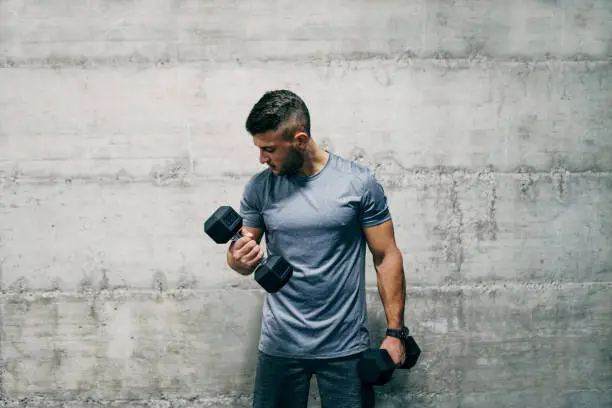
285, 383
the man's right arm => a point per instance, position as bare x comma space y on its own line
245, 253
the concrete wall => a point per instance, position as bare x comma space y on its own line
121, 130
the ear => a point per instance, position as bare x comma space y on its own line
301, 140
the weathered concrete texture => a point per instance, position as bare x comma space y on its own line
99, 31
452, 227
528, 343
122, 129
130, 123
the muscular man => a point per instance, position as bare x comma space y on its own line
318, 211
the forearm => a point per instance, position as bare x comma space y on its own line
392, 286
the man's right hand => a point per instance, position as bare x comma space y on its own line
244, 253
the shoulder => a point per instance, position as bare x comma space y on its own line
258, 184
362, 176
260, 179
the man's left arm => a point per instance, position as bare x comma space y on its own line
388, 262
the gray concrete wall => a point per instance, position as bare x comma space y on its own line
121, 130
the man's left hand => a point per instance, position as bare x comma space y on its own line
395, 348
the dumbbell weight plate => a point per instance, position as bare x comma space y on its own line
223, 224
413, 351
272, 273
376, 366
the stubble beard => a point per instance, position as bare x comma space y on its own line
295, 161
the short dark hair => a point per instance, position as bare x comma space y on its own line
274, 109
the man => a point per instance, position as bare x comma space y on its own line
318, 211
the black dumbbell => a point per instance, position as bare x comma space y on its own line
271, 272
376, 365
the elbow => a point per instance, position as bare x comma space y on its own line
391, 255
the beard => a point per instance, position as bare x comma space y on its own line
293, 164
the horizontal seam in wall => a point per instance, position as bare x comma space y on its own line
190, 178
9, 62
175, 293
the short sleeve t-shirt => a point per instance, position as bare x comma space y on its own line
315, 223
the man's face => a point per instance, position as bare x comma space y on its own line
280, 154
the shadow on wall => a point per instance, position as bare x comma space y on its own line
236, 386
251, 351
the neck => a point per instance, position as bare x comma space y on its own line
315, 159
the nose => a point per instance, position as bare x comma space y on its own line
262, 157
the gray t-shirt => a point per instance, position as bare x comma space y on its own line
315, 223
